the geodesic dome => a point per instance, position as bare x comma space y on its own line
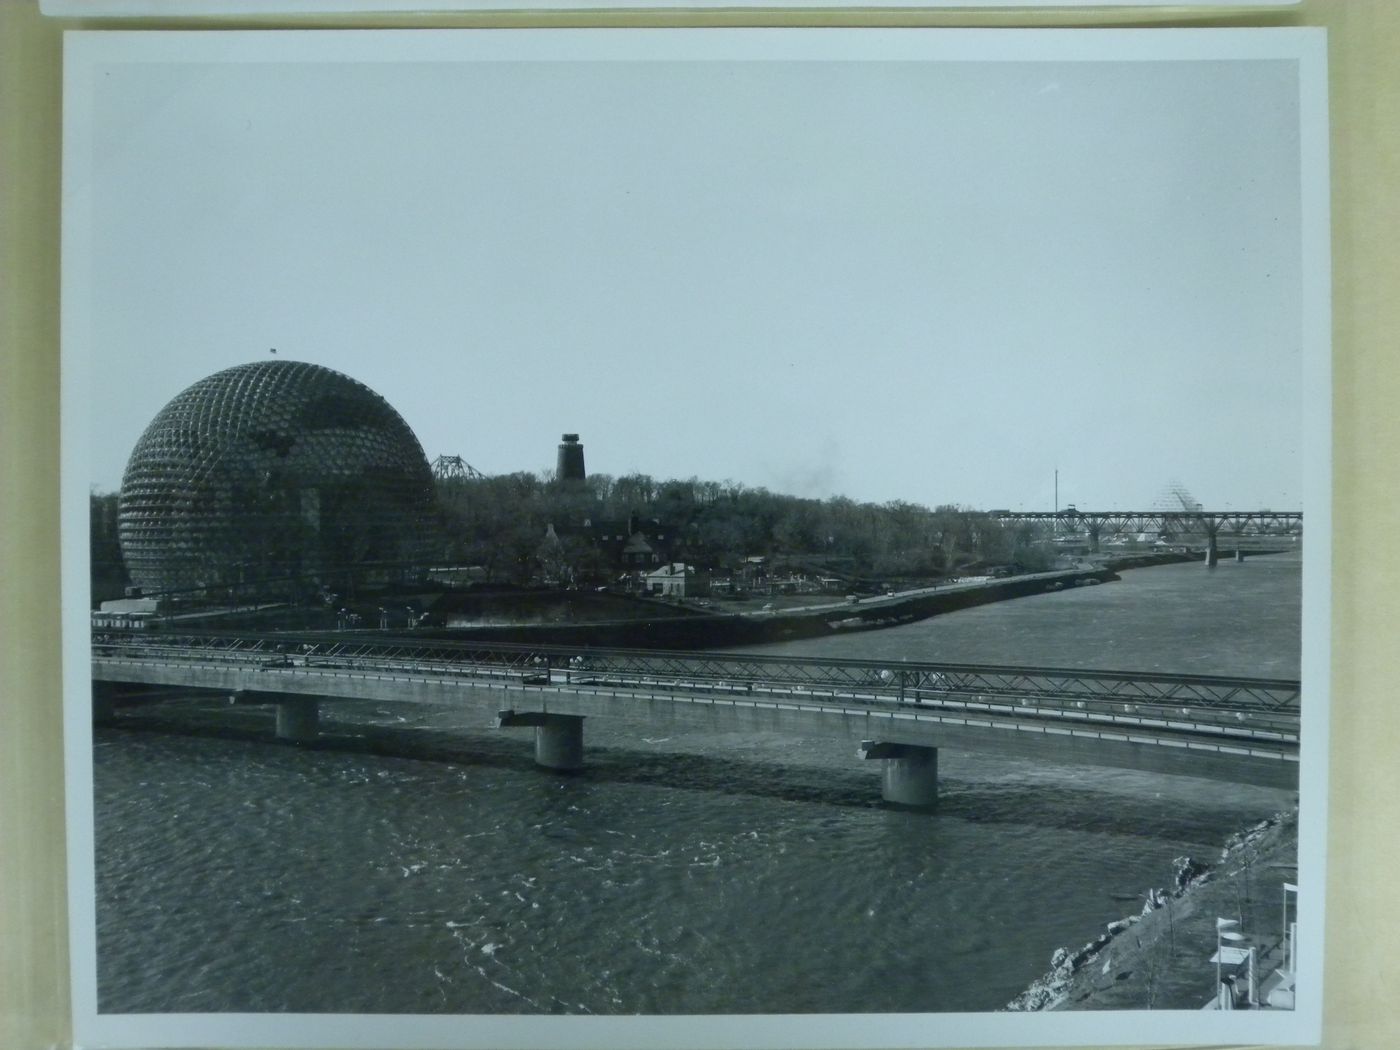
273, 470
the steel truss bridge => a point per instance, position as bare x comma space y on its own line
1247, 718
1213, 525
1200, 522
455, 468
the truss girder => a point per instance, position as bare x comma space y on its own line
1114, 522
1255, 704
455, 468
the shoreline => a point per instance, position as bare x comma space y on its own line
722, 630
684, 627
1159, 957
656, 623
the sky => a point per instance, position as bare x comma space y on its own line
933, 281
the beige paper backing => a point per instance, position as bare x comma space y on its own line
1362, 1007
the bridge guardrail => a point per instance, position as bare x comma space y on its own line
1209, 691
1250, 748
1231, 722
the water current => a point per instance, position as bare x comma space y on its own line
417, 862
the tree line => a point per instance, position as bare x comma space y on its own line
500, 523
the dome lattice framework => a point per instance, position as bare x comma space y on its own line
273, 470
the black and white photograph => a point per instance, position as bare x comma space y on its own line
714, 537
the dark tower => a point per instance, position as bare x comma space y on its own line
570, 466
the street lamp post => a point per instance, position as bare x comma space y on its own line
1225, 932
1290, 960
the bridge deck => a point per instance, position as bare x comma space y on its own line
1230, 728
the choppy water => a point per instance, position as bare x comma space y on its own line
419, 864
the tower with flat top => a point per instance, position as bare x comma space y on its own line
570, 466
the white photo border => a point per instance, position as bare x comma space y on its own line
86, 51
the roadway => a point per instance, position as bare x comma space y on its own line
1234, 729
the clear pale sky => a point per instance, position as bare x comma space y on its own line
936, 282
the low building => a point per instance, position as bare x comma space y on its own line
635, 545
677, 580
136, 605
639, 552
122, 621
593, 550
457, 575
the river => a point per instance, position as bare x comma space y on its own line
418, 863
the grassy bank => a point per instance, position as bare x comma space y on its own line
1159, 957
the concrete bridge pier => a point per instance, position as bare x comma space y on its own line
559, 743
1212, 552
910, 776
298, 720
1239, 554
558, 738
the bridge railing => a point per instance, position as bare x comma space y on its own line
1262, 704
1190, 731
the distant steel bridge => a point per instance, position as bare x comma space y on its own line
1212, 524
1227, 728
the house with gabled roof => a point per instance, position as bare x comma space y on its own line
677, 580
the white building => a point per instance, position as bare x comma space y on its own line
677, 580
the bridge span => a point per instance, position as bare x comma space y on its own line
1232, 729
1214, 525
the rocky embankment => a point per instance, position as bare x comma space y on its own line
1158, 958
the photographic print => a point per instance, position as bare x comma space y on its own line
722, 537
